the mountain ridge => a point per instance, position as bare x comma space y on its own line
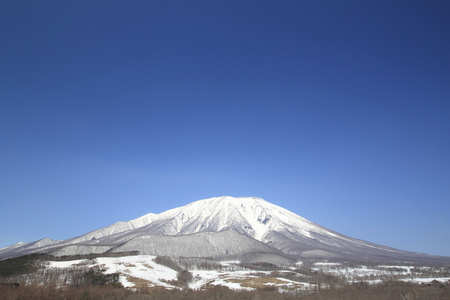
287, 235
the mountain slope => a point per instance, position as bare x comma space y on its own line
220, 227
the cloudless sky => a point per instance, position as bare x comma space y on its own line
336, 110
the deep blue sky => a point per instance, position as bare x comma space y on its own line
336, 110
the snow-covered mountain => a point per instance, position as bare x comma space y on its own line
222, 227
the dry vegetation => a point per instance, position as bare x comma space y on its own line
360, 291
265, 283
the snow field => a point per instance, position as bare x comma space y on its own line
141, 270
243, 280
141, 267
365, 273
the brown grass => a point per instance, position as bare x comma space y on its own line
393, 290
140, 283
262, 282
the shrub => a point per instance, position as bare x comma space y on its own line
165, 261
97, 278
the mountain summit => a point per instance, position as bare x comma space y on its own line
250, 216
222, 227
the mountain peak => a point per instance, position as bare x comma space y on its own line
251, 216
211, 224
230, 199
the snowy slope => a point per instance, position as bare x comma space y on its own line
218, 227
252, 216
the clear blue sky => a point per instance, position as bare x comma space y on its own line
336, 110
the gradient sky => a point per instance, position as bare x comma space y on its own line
336, 110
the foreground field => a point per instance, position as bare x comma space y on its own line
150, 277
356, 291
149, 271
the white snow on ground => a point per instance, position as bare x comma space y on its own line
428, 280
377, 274
243, 280
143, 270
327, 264
203, 278
66, 264
396, 267
360, 272
129, 267
141, 266
232, 285
230, 262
